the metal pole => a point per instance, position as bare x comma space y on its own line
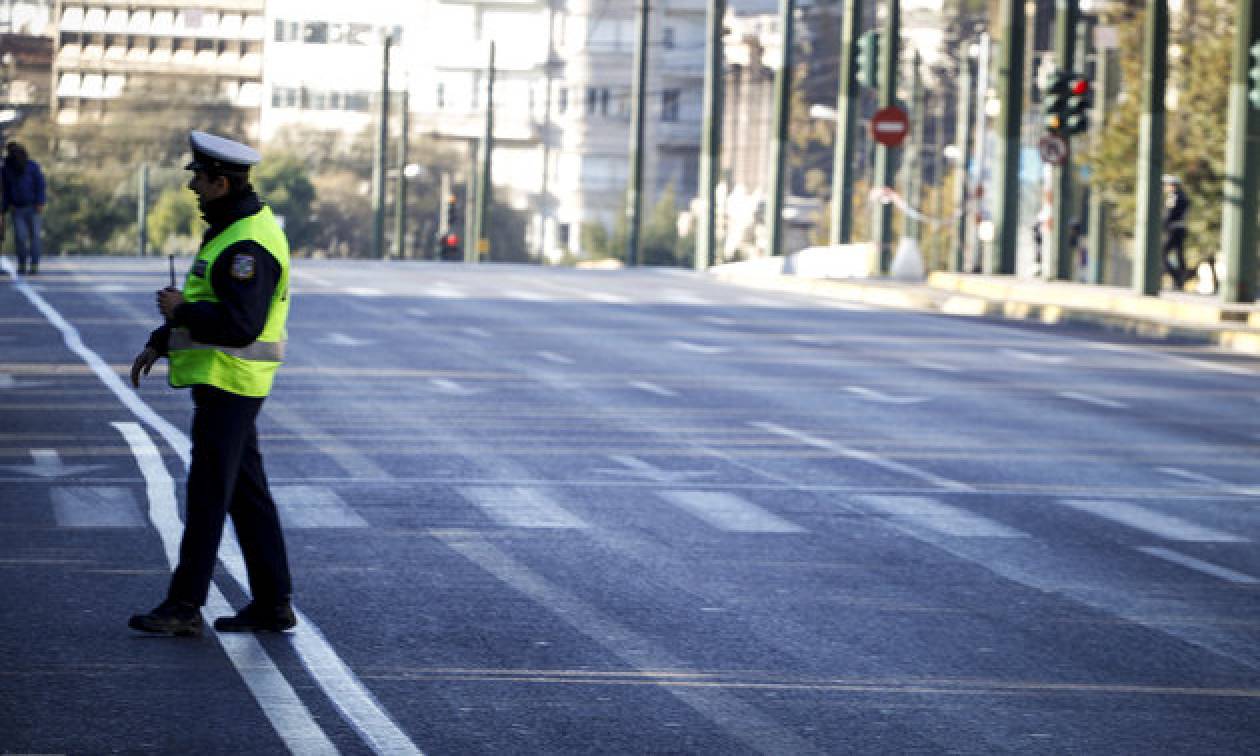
981, 156
963, 137
1242, 163
142, 210
638, 112
914, 163
1147, 266
884, 156
445, 192
1107, 77
382, 146
779, 137
848, 102
400, 193
479, 240
711, 148
544, 200
1060, 265
1010, 86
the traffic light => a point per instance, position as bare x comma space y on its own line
1253, 92
1078, 104
1054, 101
868, 59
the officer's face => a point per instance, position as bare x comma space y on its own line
207, 188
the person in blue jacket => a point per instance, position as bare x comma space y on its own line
24, 198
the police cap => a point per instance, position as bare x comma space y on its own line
218, 155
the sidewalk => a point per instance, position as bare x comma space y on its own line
1171, 315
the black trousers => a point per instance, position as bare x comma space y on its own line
226, 478
1175, 256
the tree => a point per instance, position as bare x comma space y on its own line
281, 180
175, 217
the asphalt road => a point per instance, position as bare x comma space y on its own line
558, 511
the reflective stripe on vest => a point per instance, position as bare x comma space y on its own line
248, 370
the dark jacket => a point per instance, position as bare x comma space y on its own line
23, 187
237, 319
1176, 205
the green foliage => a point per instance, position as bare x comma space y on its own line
593, 239
1195, 138
174, 222
85, 213
658, 239
281, 180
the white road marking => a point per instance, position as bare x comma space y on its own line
559, 359
96, 507
678, 296
46, 463
1044, 359
638, 468
933, 515
758, 732
1169, 527
365, 292
688, 346
718, 320
1189, 361
444, 291
280, 703
275, 696
303, 275
416, 312
337, 338
520, 507
476, 331
653, 388
1195, 477
933, 365
606, 298
730, 513
1098, 401
447, 386
871, 395
314, 507
863, 456
1207, 568
528, 296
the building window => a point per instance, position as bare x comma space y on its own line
441, 95
315, 33
667, 38
669, 105
562, 100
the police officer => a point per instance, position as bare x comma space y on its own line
224, 336
1176, 205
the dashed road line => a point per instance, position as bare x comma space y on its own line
1097, 401
653, 388
520, 507
945, 519
1168, 527
1207, 568
96, 507
730, 513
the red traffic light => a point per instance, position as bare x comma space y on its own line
451, 240
1080, 86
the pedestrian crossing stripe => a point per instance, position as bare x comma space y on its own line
96, 507
314, 507
730, 513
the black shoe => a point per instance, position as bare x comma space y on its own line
253, 618
170, 618
21, 269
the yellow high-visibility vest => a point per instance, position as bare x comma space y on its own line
248, 370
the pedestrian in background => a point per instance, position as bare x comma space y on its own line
224, 336
24, 198
1176, 205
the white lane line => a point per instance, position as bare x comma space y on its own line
520, 507
1207, 568
758, 732
559, 359
443, 291
1097, 401
1208, 480
1044, 359
476, 331
447, 386
303, 275
871, 395
653, 388
933, 365
95, 507
687, 346
934, 515
337, 338
528, 296
1169, 527
718, 320
678, 296
356, 704
863, 456
730, 513
1189, 361
314, 507
365, 292
606, 298
280, 703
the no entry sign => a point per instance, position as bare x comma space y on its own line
889, 126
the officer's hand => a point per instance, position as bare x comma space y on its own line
167, 300
143, 364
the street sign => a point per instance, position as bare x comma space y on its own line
889, 126
1053, 149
